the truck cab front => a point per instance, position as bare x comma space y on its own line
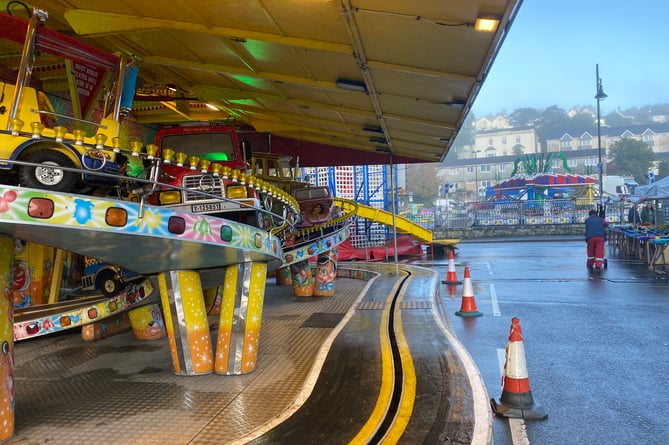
206, 172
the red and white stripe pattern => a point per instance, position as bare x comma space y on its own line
451, 275
468, 306
516, 400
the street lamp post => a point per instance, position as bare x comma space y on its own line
600, 97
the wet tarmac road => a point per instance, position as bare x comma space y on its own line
596, 346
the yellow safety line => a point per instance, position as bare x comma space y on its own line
405, 408
387, 378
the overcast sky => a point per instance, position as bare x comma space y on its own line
550, 53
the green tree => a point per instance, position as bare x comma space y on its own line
524, 117
553, 119
580, 121
618, 119
421, 180
632, 158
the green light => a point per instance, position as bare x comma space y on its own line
215, 156
251, 81
258, 49
249, 102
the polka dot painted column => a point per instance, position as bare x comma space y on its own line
186, 322
240, 318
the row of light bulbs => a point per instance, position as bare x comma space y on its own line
60, 132
168, 156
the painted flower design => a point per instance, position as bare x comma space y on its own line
8, 197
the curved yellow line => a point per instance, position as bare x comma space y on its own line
405, 408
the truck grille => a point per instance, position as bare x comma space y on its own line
202, 183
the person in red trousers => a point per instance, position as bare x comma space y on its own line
595, 236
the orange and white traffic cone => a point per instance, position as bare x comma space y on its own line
451, 276
468, 305
516, 400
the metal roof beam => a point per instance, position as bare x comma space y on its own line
97, 23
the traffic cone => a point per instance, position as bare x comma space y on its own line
451, 276
468, 305
516, 400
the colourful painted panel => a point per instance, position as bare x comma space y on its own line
319, 246
6, 341
147, 322
33, 265
61, 317
326, 274
37, 206
303, 281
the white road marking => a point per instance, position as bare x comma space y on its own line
501, 359
516, 426
495, 303
483, 418
518, 432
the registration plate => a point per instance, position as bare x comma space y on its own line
208, 207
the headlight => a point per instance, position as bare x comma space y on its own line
236, 192
170, 197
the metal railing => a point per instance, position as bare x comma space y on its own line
515, 213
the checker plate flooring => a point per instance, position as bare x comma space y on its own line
122, 391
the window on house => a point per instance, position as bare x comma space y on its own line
572, 163
591, 162
485, 168
565, 144
470, 169
648, 138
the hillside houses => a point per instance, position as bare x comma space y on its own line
492, 157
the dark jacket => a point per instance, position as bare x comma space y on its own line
648, 215
595, 226
633, 216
